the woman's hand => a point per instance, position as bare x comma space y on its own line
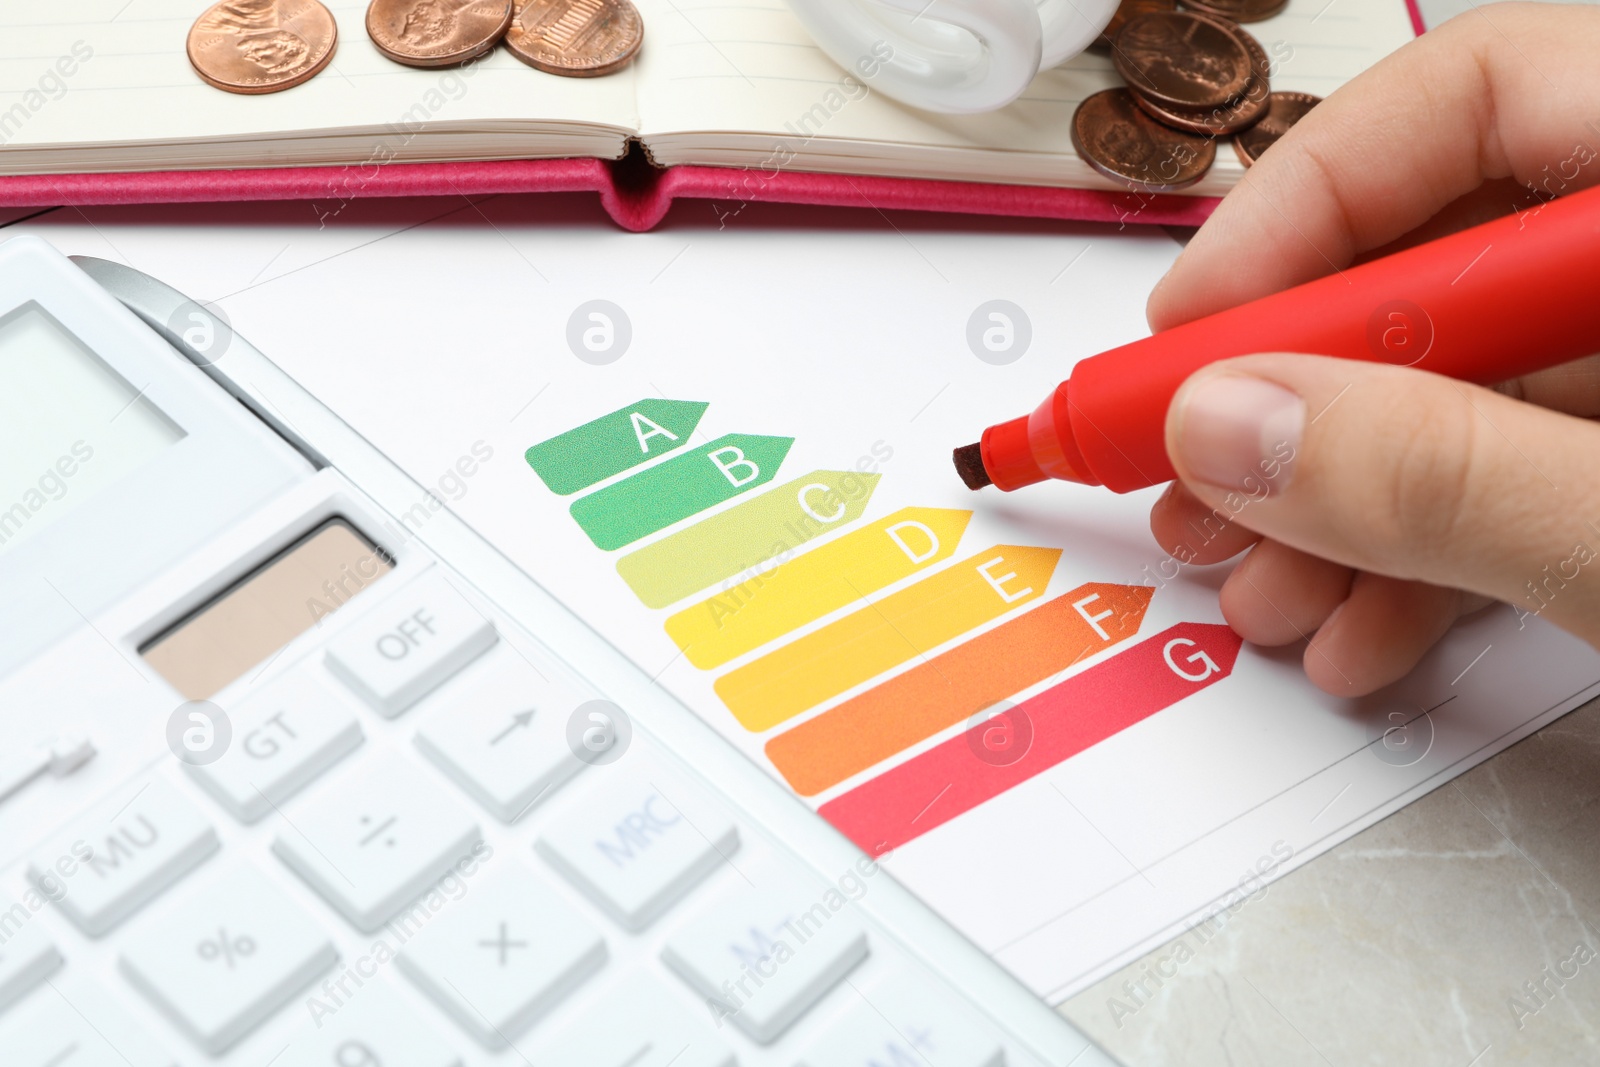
1411, 499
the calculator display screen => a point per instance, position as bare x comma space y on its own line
69, 424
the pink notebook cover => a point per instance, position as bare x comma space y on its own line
635, 194
637, 197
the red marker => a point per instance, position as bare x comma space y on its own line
1483, 305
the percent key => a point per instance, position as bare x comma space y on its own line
254, 951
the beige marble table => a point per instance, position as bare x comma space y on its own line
1462, 930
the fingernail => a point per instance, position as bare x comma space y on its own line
1240, 433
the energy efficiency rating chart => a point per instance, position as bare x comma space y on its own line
1023, 704
853, 645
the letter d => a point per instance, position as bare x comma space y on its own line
911, 553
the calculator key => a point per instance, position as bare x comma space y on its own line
639, 840
905, 1019
373, 1028
762, 957
503, 956
228, 959
640, 1024
76, 1025
126, 851
372, 841
285, 735
500, 734
26, 955
409, 644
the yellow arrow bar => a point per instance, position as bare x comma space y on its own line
814, 583
883, 635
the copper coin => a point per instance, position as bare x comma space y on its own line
1126, 10
1114, 137
437, 33
262, 46
1237, 10
575, 38
1241, 112
1182, 60
1283, 111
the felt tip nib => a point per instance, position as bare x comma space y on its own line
969, 464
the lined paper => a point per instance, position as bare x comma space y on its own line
729, 82
132, 101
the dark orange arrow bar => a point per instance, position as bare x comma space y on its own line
955, 685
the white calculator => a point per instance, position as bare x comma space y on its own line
292, 777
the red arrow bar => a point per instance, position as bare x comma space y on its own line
957, 775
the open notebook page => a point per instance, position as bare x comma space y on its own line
131, 85
739, 82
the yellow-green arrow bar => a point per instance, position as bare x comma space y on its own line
746, 539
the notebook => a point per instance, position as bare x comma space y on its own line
733, 84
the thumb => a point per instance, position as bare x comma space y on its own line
1402, 473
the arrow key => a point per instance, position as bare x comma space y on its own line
500, 734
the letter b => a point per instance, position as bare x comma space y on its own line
738, 462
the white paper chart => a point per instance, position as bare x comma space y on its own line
728, 450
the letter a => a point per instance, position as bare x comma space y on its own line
644, 435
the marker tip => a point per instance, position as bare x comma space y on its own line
969, 464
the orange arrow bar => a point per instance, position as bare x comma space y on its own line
953, 686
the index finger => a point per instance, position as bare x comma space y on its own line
1506, 90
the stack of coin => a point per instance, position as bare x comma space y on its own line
1192, 76
573, 38
262, 46
1283, 111
1129, 9
1193, 72
1237, 10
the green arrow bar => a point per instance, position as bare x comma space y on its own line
613, 443
669, 492
745, 537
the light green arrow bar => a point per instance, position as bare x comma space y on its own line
684, 485
747, 536
613, 443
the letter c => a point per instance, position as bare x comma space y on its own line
805, 505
